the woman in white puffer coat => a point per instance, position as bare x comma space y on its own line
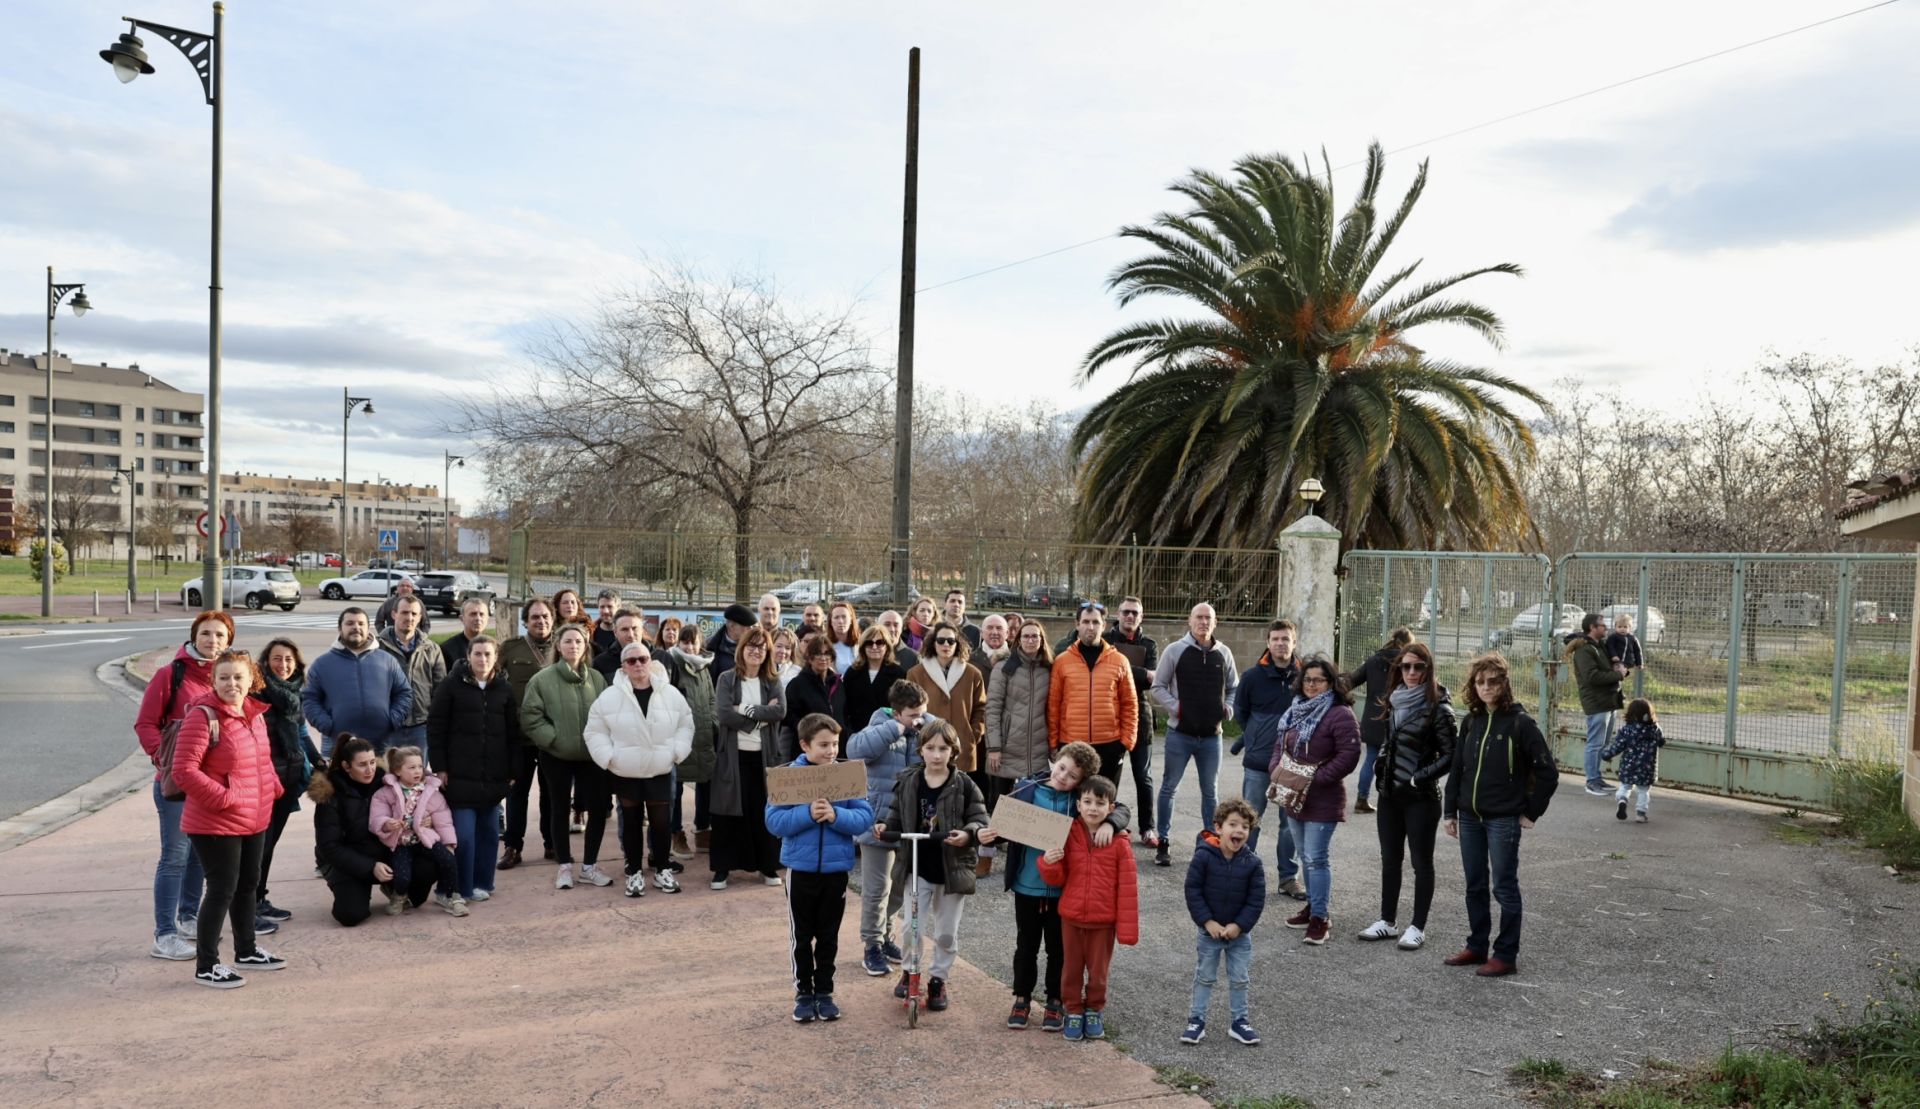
638, 730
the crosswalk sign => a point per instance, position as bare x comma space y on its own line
389, 539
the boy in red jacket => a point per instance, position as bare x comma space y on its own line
1100, 903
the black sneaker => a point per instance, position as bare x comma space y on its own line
936, 994
824, 1008
874, 963
1161, 858
1621, 812
260, 960
900, 987
267, 910
1022, 1010
263, 926
803, 1009
1052, 1018
892, 951
221, 977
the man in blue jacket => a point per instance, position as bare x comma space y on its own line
356, 687
1266, 692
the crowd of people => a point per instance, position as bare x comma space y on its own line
421, 783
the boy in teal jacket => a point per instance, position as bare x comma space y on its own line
816, 847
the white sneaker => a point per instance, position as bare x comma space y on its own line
564, 879
1412, 938
637, 884
592, 873
396, 902
717, 884
666, 880
1379, 930
454, 905
576, 825
173, 946
481, 895
774, 880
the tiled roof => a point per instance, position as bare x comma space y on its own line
1873, 492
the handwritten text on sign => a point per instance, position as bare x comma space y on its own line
803, 785
1030, 824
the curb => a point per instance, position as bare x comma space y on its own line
86, 798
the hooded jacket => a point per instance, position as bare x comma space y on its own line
1265, 693
694, 679
1638, 745
1119, 820
1092, 704
1017, 695
471, 736
1099, 884
633, 744
1335, 750
343, 839
1225, 890
424, 666
965, 708
432, 818
554, 713
1593, 670
161, 704
887, 750
1501, 767
962, 807
817, 848
521, 659
366, 693
230, 785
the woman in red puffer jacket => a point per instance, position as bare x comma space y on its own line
223, 761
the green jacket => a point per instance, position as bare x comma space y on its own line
553, 714
1593, 672
696, 685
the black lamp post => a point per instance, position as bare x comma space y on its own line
118, 475
446, 505
79, 304
205, 53
366, 406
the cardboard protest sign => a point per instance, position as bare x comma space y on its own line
1030, 824
802, 785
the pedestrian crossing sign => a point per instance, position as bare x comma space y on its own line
389, 539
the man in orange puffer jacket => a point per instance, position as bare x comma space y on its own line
1099, 904
1092, 698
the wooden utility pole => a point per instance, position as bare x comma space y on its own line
903, 375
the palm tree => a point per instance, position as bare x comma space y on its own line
1300, 368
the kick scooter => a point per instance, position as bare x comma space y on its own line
911, 966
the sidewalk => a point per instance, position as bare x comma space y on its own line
541, 996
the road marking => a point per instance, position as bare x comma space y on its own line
76, 643
97, 629
34, 698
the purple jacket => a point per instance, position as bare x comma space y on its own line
1335, 749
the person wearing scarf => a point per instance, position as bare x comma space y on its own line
1319, 730
1415, 752
957, 693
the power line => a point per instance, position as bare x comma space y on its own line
1508, 118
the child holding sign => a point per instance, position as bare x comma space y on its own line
816, 847
1099, 903
932, 798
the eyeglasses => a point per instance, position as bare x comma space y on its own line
1094, 605
945, 641
1129, 612
635, 660
1312, 679
1414, 667
876, 645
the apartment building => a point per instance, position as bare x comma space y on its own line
105, 418
260, 501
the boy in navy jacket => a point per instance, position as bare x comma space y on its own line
1226, 891
816, 847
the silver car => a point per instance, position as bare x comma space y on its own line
254, 586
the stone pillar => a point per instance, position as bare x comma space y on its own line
1309, 589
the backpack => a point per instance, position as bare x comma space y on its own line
170, 736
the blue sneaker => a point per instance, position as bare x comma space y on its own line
824, 1008
892, 952
1076, 1027
875, 963
1196, 1031
1243, 1032
1096, 1025
803, 1009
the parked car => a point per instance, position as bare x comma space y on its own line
1525, 629
808, 591
410, 565
380, 564
874, 593
256, 587
1652, 631
366, 583
1055, 596
998, 596
447, 590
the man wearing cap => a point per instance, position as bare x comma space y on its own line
738, 619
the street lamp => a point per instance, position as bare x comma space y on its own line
366, 406
446, 505
425, 520
206, 54
79, 304
115, 487
1311, 491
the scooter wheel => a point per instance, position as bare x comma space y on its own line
913, 1012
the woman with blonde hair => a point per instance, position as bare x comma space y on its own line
748, 709
870, 677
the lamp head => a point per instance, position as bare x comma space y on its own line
1311, 490
114, 485
367, 408
128, 57
80, 303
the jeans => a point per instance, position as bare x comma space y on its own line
1205, 753
410, 735
1206, 970
1492, 845
478, 833
419, 859
1253, 788
1369, 755
178, 879
1315, 840
882, 880
233, 867
1643, 794
1408, 822
1598, 725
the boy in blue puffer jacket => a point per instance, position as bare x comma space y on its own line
1226, 891
816, 847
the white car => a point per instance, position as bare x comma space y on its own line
1653, 631
366, 583
809, 591
254, 586
1525, 629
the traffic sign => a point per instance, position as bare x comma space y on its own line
389, 539
200, 524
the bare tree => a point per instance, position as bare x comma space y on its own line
82, 507
304, 529
161, 523
718, 389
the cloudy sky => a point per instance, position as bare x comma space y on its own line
413, 190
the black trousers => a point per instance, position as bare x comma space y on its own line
989, 785
1140, 764
1036, 921
815, 904
564, 778
1407, 824
652, 847
1113, 756
436, 862
526, 764
353, 898
231, 863
282, 809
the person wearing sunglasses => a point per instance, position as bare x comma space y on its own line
957, 693
1195, 683
1415, 755
1371, 683
639, 728
1143, 654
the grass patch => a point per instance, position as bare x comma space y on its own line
1617, 856
1787, 832
1180, 1078
108, 577
1866, 797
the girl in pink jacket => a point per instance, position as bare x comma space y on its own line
411, 816
223, 763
